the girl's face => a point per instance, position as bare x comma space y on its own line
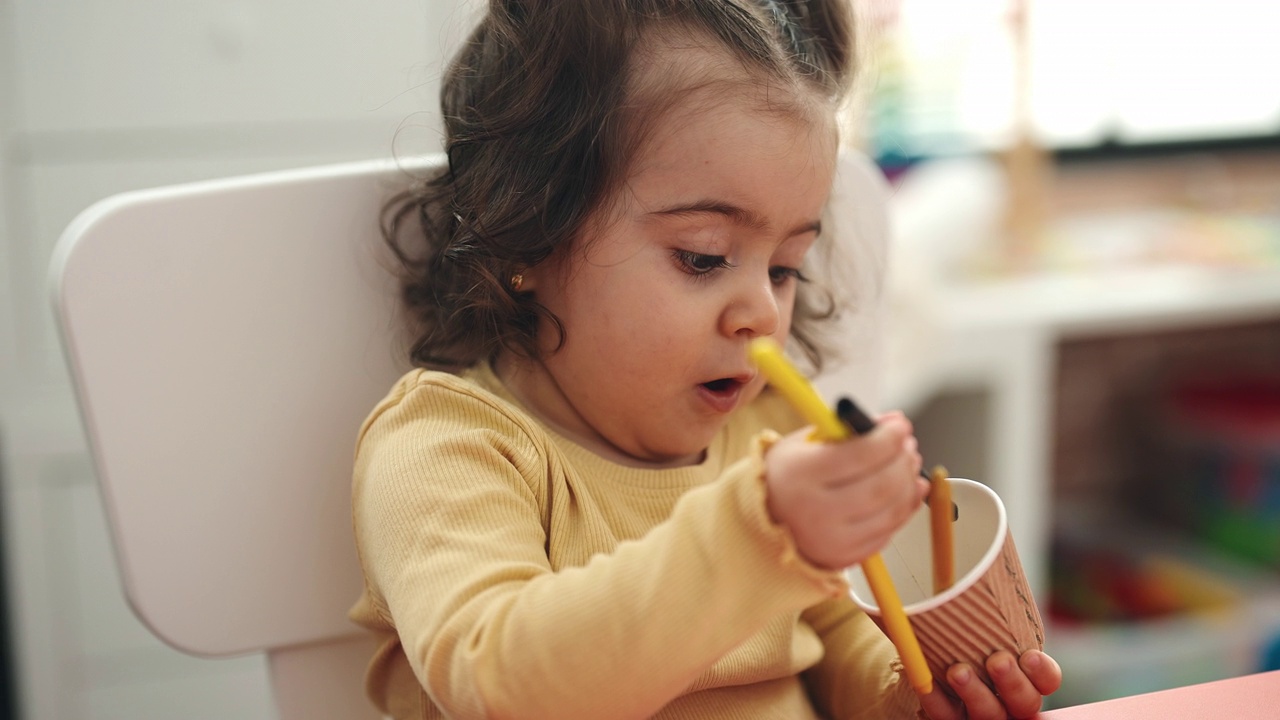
699, 255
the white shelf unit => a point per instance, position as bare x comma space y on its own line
1000, 342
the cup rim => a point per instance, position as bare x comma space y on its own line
962, 583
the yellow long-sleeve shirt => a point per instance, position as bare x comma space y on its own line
514, 574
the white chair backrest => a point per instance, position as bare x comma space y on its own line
226, 339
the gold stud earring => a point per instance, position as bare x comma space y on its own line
517, 282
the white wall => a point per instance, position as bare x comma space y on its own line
8, 351
102, 96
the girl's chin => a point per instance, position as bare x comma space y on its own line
685, 451
690, 450
668, 459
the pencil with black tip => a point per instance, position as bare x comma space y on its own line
942, 510
784, 377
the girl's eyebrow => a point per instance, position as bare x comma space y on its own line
734, 213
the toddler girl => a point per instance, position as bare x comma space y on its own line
583, 509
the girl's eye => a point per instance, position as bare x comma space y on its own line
699, 264
779, 274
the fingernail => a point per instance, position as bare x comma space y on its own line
1003, 666
962, 676
1032, 660
910, 444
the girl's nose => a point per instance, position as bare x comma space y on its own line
753, 310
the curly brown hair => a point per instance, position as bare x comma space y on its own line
542, 118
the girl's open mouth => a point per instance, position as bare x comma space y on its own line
723, 385
722, 395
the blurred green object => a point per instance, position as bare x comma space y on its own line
1254, 537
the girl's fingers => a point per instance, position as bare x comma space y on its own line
851, 462
886, 519
847, 462
979, 702
1021, 698
842, 501
869, 515
937, 705
895, 489
890, 416
853, 540
1020, 687
1042, 670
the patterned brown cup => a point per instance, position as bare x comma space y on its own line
990, 606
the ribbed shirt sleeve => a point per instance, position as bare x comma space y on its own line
859, 677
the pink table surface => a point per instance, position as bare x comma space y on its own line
1251, 696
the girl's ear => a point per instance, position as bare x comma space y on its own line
541, 275
524, 280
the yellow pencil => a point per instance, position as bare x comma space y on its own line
784, 377
944, 563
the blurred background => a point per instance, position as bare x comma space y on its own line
1085, 294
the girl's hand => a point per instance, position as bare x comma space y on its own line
1021, 685
842, 501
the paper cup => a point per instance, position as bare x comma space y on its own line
990, 606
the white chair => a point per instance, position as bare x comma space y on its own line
226, 339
